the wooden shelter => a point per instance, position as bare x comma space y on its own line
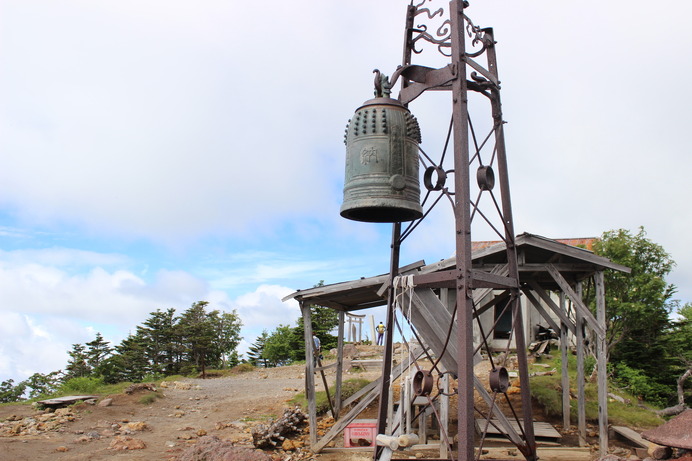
553, 274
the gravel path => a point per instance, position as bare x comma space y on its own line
224, 407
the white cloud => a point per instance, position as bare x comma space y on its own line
28, 347
264, 309
207, 128
160, 124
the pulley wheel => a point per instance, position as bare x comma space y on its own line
423, 383
499, 380
440, 178
485, 177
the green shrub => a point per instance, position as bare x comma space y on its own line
548, 393
639, 384
149, 398
83, 385
153, 377
243, 368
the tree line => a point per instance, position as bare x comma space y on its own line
164, 344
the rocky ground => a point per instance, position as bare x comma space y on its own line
167, 423
128, 429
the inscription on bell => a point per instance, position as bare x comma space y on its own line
369, 154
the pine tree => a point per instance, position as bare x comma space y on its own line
129, 363
77, 365
198, 335
98, 350
161, 339
255, 351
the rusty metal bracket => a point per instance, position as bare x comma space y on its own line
423, 79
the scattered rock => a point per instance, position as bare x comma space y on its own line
124, 442
350, 351
137, 387
136, 426
62, 449
106, 402
33, 425
288, 445
211, 448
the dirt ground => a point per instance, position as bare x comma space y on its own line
179, 415
226, 407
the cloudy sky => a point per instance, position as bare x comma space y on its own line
156, 153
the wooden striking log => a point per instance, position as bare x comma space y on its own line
269, 436
387, 441
407, 440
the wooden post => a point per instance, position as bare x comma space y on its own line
373, 338
565, 370
348, 329
407, 400
309, 373
581, 395
339, 365
444, 417
602, 360
390, 409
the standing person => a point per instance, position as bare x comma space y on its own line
380, 333
316, 349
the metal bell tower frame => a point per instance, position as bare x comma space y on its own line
452, 34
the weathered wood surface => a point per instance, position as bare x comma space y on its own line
602, 365
541, 429
630, 435
564, 377
66, 400
366, 363
544, 454
550, 303
576, 300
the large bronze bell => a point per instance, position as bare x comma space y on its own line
382, 163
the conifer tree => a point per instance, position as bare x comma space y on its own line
255, 351
98, 350
78, 364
